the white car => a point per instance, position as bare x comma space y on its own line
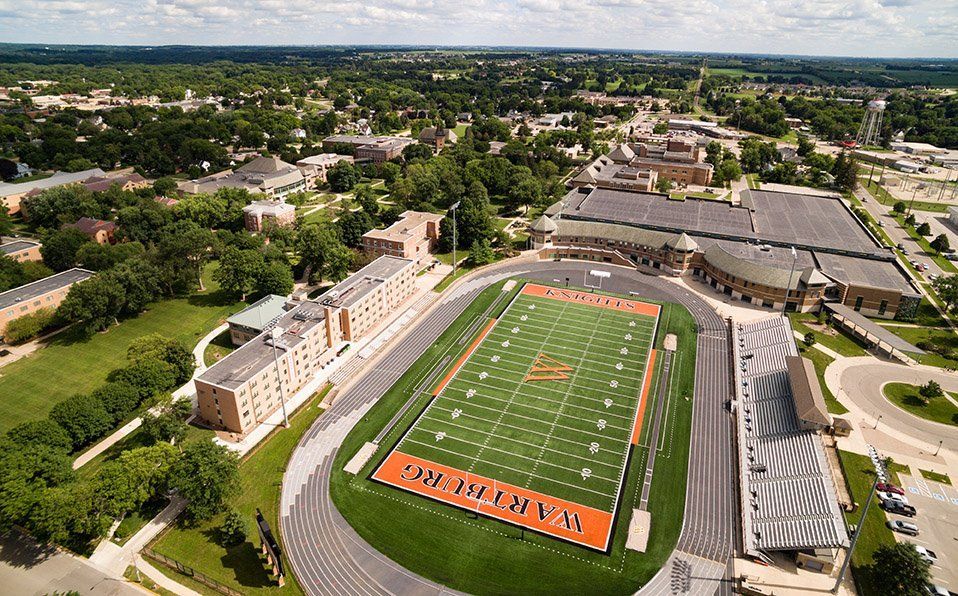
927, 554
893, 497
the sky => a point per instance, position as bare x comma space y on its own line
869, 28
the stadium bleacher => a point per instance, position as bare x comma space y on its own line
788, 500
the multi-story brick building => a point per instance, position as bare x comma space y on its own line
637, 166
240, 391
278, 213
410, 237
48, 292
21, 250
376, 149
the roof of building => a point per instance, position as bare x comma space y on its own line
355, 287
430, 133
544, 225
752, 271
870, 273
594, 229
404, 228
271, 208
14, 246
262, 174
806, 391
259, 314
58, 179
103, 183
266, 165
43, 286
622, 154
683, 242
91, 226
323, 159
789, 500
872, 328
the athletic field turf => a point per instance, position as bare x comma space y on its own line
535, 423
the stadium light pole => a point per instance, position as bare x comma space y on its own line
275, 334
788, 285
454, 237
858, 531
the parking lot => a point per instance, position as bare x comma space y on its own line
937, 521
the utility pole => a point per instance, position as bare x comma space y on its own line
455, 239
275, 334
858, 531
788, 288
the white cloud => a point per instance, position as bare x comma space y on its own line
836, 27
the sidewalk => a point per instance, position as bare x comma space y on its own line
116, 558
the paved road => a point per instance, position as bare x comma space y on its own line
862, 383
329, 557
28, 568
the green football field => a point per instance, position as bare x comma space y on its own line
547, 402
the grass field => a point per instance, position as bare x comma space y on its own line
940, 337
906, 397
545, 405
835, 339
74, 363
935, 476
426, 536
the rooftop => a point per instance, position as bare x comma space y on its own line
358, 285
403, 228
259, 314
17, 245
58, 179
43, 286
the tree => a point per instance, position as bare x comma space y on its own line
947, 288
93, 304
923, 229
238, 271
164, 349
234, 529
118, 399
910, 220
41, 432
480, 253
930, 391
167, 422
899, 568
845, 171
416, 152
352, 225
660, 128
809, 339
899, 207
729, 170
6, 224
367, 200
164, 186
182, 250
663, 185
207, 475
60, 248
83, 418
805, 146
29, 326
940, 244
124, 484
275, 278
149, 377
342, 176
320, 248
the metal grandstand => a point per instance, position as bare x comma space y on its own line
789, 502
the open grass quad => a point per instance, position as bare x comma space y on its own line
479, 554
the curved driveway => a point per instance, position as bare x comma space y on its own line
862, 383
329, 557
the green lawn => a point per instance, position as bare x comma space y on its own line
73, 363
906, 397
944, 338
860, 474
218, 348
821, 360
752, 181
261, 474
945, 265
837, 340
427, 537
887, 199
460, 130
936, 476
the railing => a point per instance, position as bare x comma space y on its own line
190, 572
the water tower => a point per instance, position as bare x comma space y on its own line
869, 132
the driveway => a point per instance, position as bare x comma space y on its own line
862, 384
937, 521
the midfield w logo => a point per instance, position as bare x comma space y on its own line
547, 368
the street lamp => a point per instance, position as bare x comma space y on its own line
877, 421
788, 285
938, 448
454, 237
275, 334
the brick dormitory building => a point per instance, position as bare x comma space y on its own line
743, 251
637, 166
240, 391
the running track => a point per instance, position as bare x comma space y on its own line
329, 557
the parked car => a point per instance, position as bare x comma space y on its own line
885, 487
902, 527
952, 256
893, 497
898, 508
927, 554
937, 590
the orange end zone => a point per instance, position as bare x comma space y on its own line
556, 517
465, 356
646, 385
600, 300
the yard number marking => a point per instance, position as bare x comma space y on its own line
593, 447
495, 358
456, 413
470, 393
608, 403
440, 435
601, 423
586, 472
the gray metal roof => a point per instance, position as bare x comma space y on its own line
806, 391
17, 246
864, 272
355, 287
594, 229
753, 271
260, 313
789, 501
871, 327
58, 179
43, 286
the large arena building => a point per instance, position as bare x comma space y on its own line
800, 247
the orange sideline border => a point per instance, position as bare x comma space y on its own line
646, 385
597, 300
462, 359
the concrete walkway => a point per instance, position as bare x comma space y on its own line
117, 558
158, 577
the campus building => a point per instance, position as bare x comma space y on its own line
636, 166
252, 320
240, 391
12, 193
789, 246
97, 230
258, 213
315, 167
48, 292
437, 138
21, 250
412, 236
376, 149
267, 175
